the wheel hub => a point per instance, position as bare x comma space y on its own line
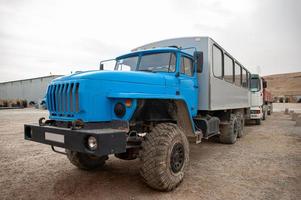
177, 157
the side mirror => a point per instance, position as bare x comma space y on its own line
199, 59
264, 83
101, 66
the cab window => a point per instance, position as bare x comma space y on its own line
186, 66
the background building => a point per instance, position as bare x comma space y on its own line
31, 90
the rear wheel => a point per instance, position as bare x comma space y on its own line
164, 156
241, 124
270, 109
264, 114
229, 131
85, 161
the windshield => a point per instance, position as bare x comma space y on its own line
255, 85
158, 62
127, 64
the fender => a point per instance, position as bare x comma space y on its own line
184, 116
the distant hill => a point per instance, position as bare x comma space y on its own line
284, 84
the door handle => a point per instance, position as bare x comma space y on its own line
195, 86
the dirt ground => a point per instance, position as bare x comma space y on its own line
265, 164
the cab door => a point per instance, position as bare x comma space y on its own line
188, 84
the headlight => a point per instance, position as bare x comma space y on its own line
92, 143
119, 110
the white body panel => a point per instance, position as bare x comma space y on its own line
214, 93
256, 98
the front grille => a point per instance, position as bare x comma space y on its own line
63, 99
255, 111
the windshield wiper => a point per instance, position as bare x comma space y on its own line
146, 70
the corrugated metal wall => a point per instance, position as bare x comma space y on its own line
29, 89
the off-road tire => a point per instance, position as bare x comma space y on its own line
241, 125
258, 121
229, 131
85, 161
158, 167
264, 114
270, 110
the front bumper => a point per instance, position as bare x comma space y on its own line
109, 141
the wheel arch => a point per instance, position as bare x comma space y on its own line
175, 110
184, 119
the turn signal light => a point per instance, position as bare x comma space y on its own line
128, 102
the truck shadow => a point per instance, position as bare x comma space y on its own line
118, 179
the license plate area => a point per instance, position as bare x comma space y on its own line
54, 137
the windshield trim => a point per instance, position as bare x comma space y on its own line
149, 51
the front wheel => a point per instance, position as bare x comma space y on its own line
85, 161
164, 156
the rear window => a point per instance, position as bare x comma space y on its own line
237, 74
217, 62
228, 69
244, 78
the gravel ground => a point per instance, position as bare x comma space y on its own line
265, 164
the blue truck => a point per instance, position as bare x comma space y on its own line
158, 97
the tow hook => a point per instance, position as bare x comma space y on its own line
43, 122
77, 124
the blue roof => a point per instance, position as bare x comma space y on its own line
154, 50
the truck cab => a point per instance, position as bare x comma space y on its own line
165, 73
256, 87
151, 95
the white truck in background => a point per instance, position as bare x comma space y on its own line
261, 99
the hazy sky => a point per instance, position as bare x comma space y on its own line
42, 37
